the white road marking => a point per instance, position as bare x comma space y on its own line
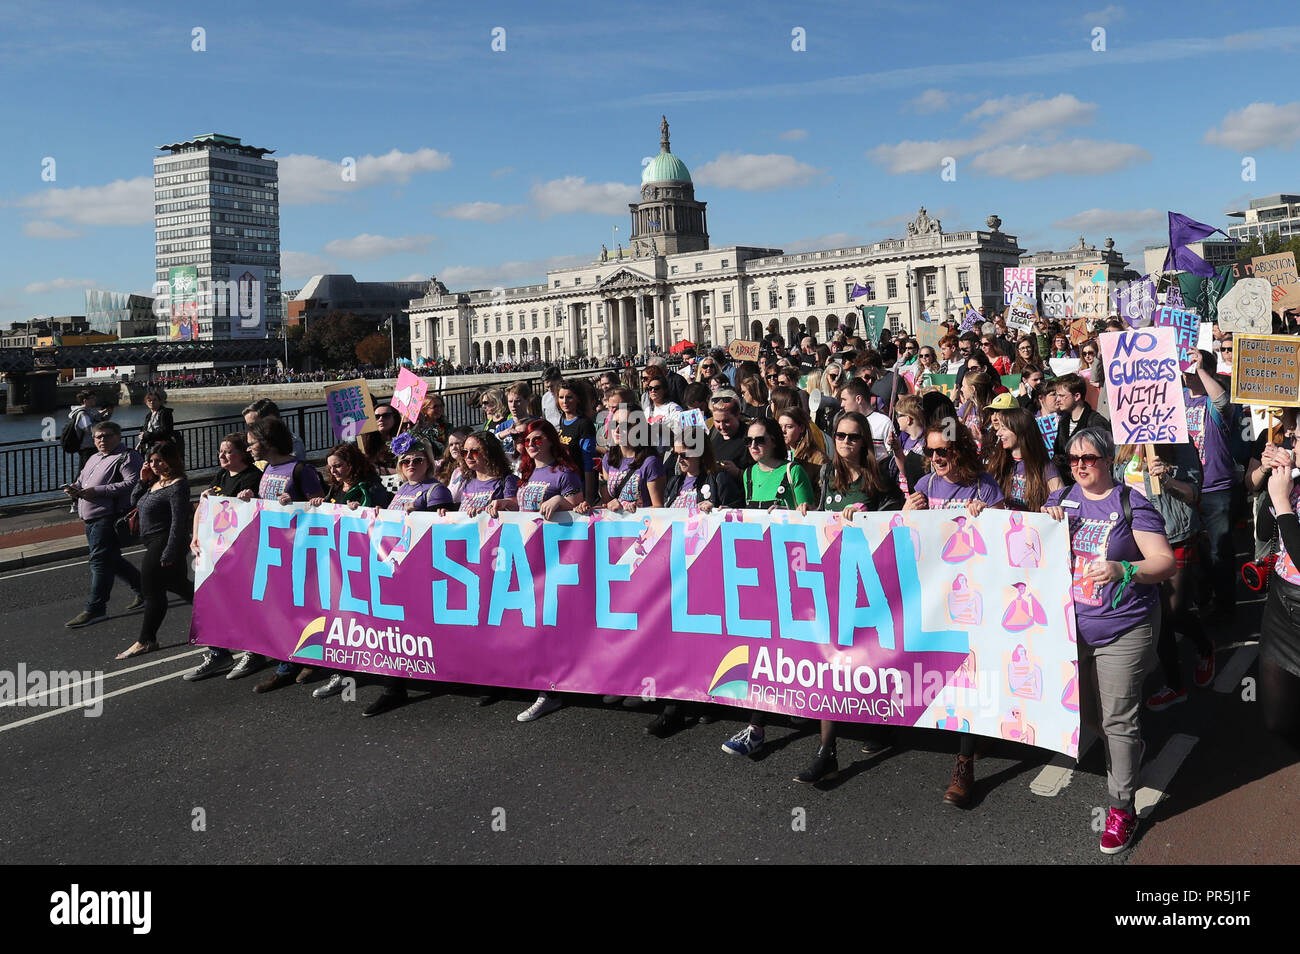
108, 675
1160, 772
95, 701
1057, 773
1229, 677
62, 566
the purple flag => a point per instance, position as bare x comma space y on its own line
1136, 301
971, 319
859, 290
1183, 231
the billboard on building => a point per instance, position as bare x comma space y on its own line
183, 290
245, 301
104, 309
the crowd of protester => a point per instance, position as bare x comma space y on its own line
843, 426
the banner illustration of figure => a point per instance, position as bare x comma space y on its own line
1023, 611
1024, 675
1024, 545
965, 605
964, 543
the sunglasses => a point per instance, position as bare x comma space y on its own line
755, 441
534, 441
411, 461
1085, 460
941, 452
386, 414
471, 450
654, 387
1090, 354
848, 436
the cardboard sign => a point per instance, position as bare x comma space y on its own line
1144, 386
1091, 294
1247, 308
351, 410
1017, 285
947, 383
1057, 300
928, 334
1048, 425
1020, 315
1063, 366
1080, 331
1280, 272
409, 395
743, 350
1187, 328
1266, 370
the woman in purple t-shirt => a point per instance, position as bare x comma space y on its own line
956, 481
631, 473
488, 475
1018, 460
549, 484
1120, 556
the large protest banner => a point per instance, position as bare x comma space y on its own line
1018, 285
1144, 386
1280, 272
931, 619
1266, 370
1187, 330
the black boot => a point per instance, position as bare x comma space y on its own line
823, 768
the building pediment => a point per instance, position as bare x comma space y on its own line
626, 278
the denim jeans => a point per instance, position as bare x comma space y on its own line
1219, 573
106, 562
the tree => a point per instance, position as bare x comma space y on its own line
373, 349
333, 339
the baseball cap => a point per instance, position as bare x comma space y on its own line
1004, 402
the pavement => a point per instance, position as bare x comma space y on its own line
168, 771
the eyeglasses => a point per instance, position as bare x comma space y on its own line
848, 436
410, 461
1084, 460
1090, 354
941, 452
471, 450
535, 440
756, 441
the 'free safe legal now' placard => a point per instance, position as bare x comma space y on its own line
1266, 370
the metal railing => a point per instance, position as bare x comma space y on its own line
30, 470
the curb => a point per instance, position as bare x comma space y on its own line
21, 558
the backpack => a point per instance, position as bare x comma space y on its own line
70, 439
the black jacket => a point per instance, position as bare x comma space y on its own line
1067, 429
724, 491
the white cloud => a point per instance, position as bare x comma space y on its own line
42, 229
819, 242
58, 284
931, 101
498, 173
415, 277
308, 179
754, 173
483, 211
794, 135
367, 248
1258, 126
304, 265
122, 202
1112, 221
507, 273
575, 194
1104, 17
919, 156
1078, 157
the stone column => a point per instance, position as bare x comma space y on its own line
642, 301
692, 318
943, 291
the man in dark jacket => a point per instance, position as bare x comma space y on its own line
1076, 413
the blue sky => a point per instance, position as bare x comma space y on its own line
483, 167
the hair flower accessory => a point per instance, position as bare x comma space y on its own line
402, 443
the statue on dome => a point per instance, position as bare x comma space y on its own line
663, 133
604, 252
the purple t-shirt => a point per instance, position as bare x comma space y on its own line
1016, 499
545, 483
429, 495
635, 489
477, 494
688, 494
943, 494
278, 479
1209, 431
1098, 531
911, 443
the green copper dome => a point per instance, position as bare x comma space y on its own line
663, 167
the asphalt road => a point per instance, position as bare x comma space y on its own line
287, 778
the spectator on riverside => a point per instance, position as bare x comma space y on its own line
162, 499
285, 479
266, 408
236, 474
103, 493
84, 416
159, 425
1120, 556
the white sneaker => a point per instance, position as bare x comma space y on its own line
331, 688
544, 705
248, 662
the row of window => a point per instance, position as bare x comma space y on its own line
259, 181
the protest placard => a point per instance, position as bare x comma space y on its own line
1266, 370
932, 618
743, 350
1056, 300
1187, 329
947, 383
1280, 272
1018, 285
928, 334
1091, 294
1048, 425
1080, 331
350, 408
1144, 386
1063, 366
409, 395
1020, 314
875, 318
1247, 307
